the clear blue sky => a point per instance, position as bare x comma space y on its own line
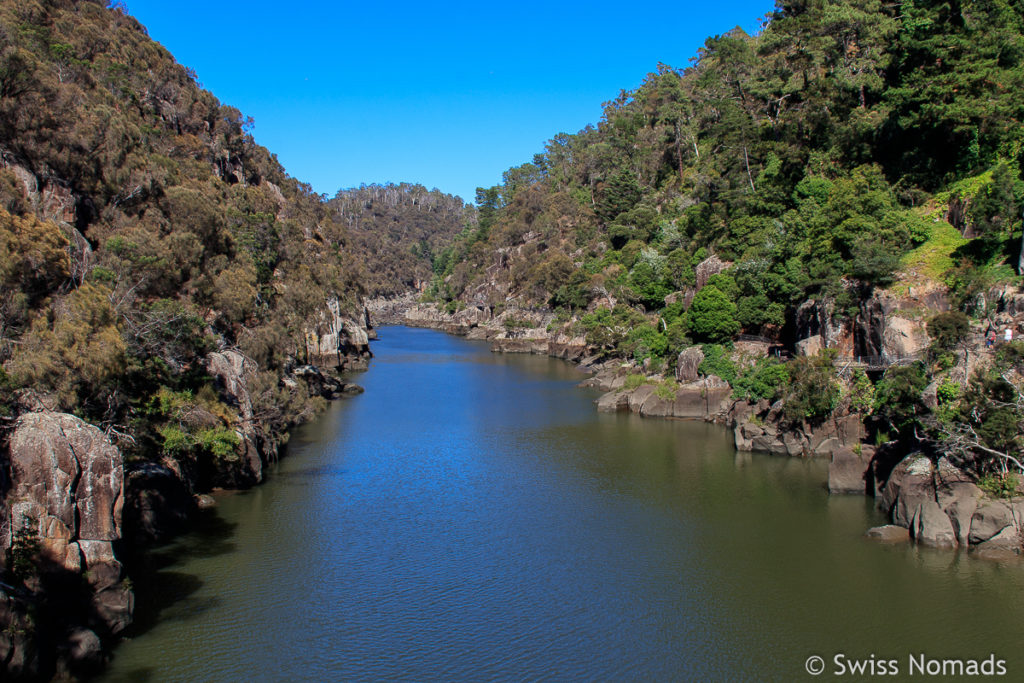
448, 95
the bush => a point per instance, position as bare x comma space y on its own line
764, 380
948, 329
813, 392
712, 316
717, 362
999, 485
898, 396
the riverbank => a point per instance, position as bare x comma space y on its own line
77, 513
929, 501
472, 516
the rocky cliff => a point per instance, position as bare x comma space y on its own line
62, 517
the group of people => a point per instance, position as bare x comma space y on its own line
990, 337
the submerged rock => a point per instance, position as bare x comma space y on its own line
889, 533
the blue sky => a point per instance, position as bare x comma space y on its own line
448, 95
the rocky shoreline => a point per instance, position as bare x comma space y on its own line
74, 509
930, 503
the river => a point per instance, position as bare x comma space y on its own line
473, 517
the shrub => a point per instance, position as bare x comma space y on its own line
764, 380
999, 485
717, 362
812, 392
712, 316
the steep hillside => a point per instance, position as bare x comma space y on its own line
167, 293
844, 187
401, 227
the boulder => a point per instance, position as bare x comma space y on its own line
84, 650
930, 526
688, 362
959, 501
848, 471
1007, 541
613, 401
990, 518
915, 489
809, 346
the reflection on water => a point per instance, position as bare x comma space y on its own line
471, 516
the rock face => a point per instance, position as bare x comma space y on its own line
68, 478
849, 471
705, 399
880, 329
67, 490
817, 328
335, 340
233, 371
712, 265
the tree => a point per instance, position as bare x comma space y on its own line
712, 316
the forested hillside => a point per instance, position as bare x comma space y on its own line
165, 287
849, 177
809, 156
402, 226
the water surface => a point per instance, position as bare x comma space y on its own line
472, 517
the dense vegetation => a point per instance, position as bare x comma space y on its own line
141, 227
402, 226
826, 157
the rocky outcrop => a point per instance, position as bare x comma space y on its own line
889, 326
323, 385
686, 365
67, 492
233, 371
338, 340
941, 507
763, 431
850, 470
818, 327
706, 399
712, 265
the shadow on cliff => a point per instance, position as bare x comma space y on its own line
162, 592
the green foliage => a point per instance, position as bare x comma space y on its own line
948, 330
947, 392
717, 362
813, 392
712, 316
861, 392
645, 341
898, 397
666, 389
634, 381
766, 379
1000, 485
